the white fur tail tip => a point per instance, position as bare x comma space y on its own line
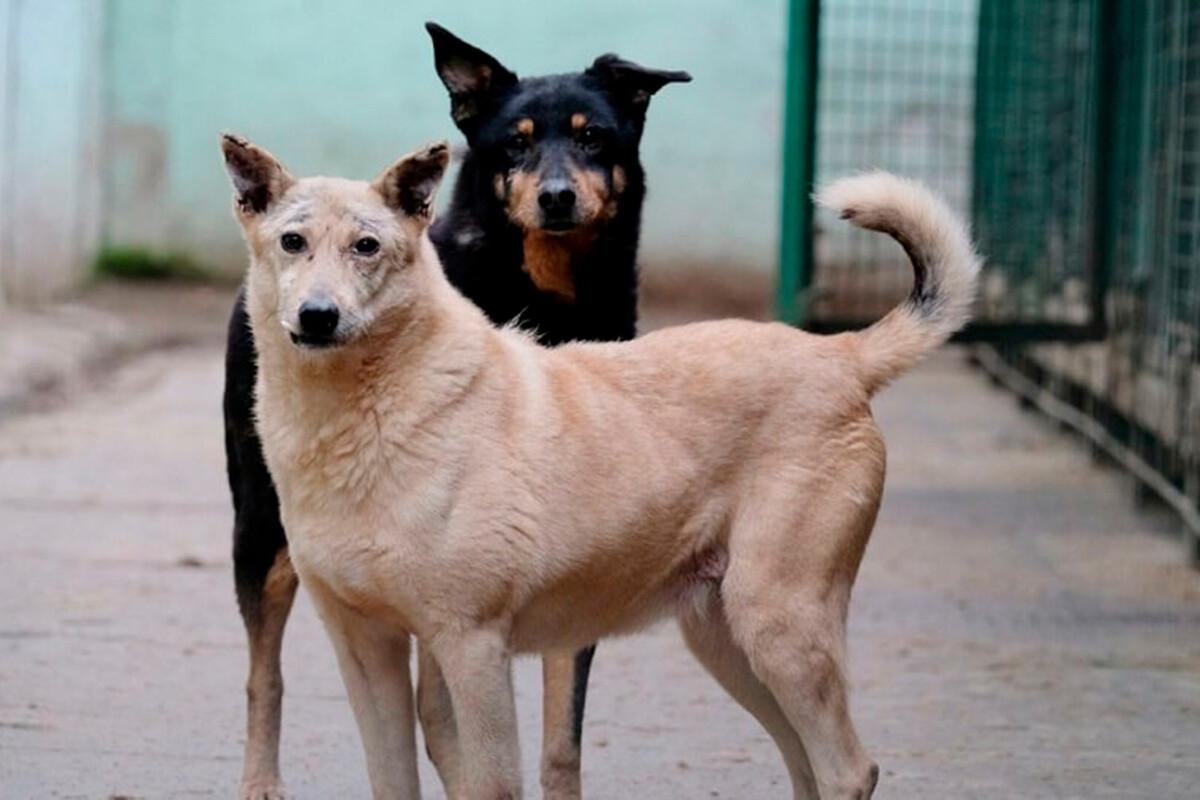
945, 266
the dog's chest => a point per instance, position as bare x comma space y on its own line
338, 456
355, 505
358, 569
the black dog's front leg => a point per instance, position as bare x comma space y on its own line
564, 687
263, 575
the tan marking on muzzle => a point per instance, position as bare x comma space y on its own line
619, 181
549, 257
523, 208
594, 202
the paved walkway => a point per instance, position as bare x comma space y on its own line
1018, 630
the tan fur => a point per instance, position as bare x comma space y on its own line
924, 223
264, 689
595, 202
522, 194
619, 181
578, 121
446, 479
560, 754
525, 127
549, 257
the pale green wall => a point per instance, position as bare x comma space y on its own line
50, 144
346, 87
110, 110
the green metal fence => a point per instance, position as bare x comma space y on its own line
1088, 186
895, 93
892, 85
1115, 197
1070, 130
1042, 89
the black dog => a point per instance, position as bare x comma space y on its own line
542, 229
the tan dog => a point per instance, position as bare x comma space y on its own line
444, 479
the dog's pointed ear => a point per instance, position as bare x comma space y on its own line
408, 186
630, 84
258, 177
474, 79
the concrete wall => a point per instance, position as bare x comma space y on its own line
50, 142
345, 88
122, 100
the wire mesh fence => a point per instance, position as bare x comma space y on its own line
1036, 193
1071, 131
895, 91
1088, 182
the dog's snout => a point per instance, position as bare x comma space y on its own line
556, 195
318, 317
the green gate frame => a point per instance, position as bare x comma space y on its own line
799, 163
796, 256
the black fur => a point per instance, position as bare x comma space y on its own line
481, 248
482, 253
488, 269
583, 667
257, 532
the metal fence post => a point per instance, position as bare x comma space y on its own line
799, 156
1106, 196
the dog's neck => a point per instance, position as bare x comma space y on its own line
550, 259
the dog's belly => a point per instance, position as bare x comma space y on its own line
581, 611
624, 565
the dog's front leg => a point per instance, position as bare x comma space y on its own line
375, 669
564, 687
436, 713
477, 666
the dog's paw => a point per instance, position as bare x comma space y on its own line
561, 781
262, 789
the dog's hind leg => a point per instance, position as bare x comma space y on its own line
796, 650
708, 636
374, 662
263, 574
564, 692
265, 620
786, 593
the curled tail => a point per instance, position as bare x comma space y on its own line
945, 268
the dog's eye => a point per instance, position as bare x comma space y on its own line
292, 242
591, 138
516, 143
367, 245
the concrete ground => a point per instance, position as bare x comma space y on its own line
1018, 630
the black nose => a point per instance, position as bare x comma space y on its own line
556, 196
318, 318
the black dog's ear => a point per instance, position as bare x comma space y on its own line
258, 177
632, 84
408, 186
474, 79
